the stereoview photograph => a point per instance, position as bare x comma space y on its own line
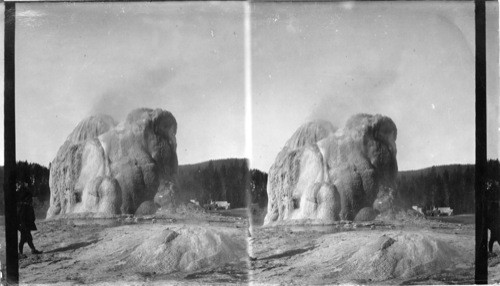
364, 135
130, 141
260, 143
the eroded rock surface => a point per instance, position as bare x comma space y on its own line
323, 173
110, 168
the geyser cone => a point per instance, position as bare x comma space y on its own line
107, 169
328, 175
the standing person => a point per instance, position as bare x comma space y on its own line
26, 219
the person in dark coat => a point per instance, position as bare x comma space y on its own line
26, 219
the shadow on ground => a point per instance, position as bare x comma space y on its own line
288, 253
73, 246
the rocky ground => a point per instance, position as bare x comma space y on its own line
213, 249
404, 252
154, 250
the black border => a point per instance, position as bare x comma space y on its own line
300, 1
481, 259
128, 1
9, 184
481, 255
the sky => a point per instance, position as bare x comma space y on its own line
76, 60
412, 61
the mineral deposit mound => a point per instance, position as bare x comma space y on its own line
328, 174
110, 168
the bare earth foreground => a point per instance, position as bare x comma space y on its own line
213, 250
404, 252
129, 251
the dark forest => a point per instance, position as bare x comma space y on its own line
230, 180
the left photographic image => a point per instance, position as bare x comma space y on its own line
130, 142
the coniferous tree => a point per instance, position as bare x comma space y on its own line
443, 186
231, 180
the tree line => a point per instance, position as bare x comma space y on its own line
231, 180
438, 186
445, 186
215, 180
258, 187
35, 177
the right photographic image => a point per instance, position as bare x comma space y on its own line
363, 143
